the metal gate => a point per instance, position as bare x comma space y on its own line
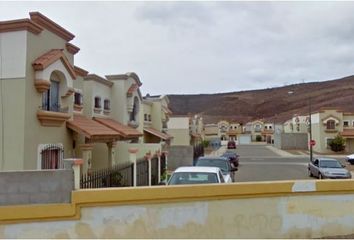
142, 170
155, 171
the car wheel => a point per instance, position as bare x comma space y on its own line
309, 172
320, 176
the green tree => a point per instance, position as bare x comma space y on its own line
337, 144
205, 143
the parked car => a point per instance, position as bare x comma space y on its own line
221, 162
350, 159
233, 157
231, 145
196, 175
327, 168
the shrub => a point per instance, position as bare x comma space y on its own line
258, 138
337, 144
205, 143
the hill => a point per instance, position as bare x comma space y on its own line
273, 104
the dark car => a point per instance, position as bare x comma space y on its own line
233, 157
231, 145
221, 162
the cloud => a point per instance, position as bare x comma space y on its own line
207, 47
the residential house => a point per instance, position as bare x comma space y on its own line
235, 130
211, 132
297, 124
156, 117
255, 129
196, 127
61, 110
178, 128
327, 123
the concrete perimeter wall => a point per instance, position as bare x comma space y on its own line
291, 141
180, 156
34, 187
284, 209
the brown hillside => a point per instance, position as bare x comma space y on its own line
273, 104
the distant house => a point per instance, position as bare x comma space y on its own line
178, 128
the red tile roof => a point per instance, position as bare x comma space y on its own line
347, 133
92, 129
125, 131
157, 133
50, 57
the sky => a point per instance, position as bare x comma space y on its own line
206, 47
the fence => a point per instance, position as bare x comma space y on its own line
155, 171
142, 171
116, 176
198, 151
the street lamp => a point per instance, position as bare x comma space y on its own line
310, 125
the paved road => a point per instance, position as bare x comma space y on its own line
261, 162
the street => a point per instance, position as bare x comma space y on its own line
260, 162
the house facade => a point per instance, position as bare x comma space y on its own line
52, 109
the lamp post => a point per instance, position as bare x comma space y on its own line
310, 125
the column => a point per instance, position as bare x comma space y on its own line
111, 153
148, 157
158, 154
86, 152
166, 165
132, 158
74, 164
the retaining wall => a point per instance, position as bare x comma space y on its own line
284, 209
34, 187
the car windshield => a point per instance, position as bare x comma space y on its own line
193, 178
330, 164
220, 163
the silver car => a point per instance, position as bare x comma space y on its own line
327, 168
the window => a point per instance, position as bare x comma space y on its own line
149, 118
270, 127
78, 98
145, 117
50, 98
107, 104
331, 124
134, 113
345, 123
265, 127
52, 157
97, 102
257, 128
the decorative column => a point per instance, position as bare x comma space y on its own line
111, 153
148, 157
132, 158
74, 164
166, 168
86, 152
158, 154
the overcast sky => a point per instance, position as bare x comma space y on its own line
206, 47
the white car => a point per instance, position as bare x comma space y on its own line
196, 175
350, 159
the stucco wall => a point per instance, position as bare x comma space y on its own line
34, 187
286, 209
291, 141
180, 156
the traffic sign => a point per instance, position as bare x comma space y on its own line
312, 142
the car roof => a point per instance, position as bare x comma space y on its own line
212, 158
198, 169
327, 159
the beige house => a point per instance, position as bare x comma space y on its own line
196, 127
327, 124
254, 128
211, 131
235, 130
61, 110
178, 128
156, 116
297, 124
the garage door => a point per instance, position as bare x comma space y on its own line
244, 139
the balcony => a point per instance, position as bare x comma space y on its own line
53, 118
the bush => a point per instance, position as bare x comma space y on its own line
258, 138
337, 144
205, 143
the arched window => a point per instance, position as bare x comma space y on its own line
331, 124
134, 113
